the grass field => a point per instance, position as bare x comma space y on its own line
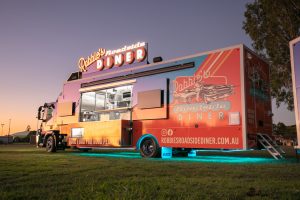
30, 173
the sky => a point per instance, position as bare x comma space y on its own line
41, 42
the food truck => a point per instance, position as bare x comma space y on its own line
295, 64
218, 99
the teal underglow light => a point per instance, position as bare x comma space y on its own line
200, 159
113, 155
225, 159
223, 150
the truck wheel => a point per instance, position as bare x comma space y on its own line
149, 148
50, 144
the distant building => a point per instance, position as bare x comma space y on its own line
6, 139
24, 136
19, 136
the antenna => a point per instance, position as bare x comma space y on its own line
8, 131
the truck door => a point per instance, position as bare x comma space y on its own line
258, 100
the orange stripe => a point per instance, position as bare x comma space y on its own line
215, 61
207, 61
223, 60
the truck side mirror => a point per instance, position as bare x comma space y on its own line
39, 113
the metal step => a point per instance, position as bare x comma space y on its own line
267, 142
274, 144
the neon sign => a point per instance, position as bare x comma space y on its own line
107, 59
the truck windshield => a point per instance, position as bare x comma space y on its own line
106, 104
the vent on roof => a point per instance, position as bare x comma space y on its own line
75, 76
157, 59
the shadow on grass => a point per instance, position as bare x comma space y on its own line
199, 158
239, 157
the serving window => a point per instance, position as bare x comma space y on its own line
106, 104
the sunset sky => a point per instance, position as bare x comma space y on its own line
41, 42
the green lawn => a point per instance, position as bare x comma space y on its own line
30, 173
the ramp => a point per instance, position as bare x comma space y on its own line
270, 145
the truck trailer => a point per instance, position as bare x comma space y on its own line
218, 99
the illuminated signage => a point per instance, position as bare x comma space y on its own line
84, 63
107, 59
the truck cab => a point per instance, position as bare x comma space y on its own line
46, 136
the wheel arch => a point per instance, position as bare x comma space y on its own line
147, 135
48, 134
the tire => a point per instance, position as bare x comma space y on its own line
50, 144
149, 148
